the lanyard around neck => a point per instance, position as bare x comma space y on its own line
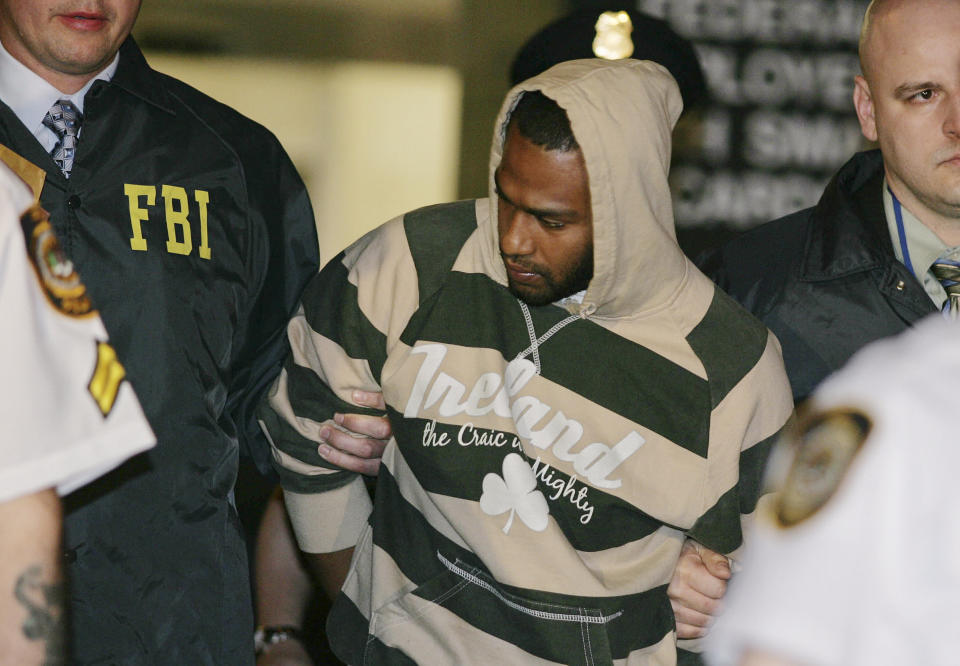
901, 232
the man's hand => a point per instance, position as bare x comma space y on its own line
698, 584
359, 446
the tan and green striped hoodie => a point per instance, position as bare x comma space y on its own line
531, 506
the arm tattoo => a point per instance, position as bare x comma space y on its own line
43, 601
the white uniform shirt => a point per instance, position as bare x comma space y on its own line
66, 416
871, 577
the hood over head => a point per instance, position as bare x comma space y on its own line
622, 113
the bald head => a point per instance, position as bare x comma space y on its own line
875, 11
878, 11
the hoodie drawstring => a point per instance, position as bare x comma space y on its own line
535, 342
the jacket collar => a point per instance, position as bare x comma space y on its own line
848, 231
136, 77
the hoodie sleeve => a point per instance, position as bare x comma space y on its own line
752, 403
339, 339
749, 415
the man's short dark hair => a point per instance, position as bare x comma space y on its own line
542, 121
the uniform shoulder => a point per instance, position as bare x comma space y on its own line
14, 192
271, 180
756, 251
755, 267
220, 117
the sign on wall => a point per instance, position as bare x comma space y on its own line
780, 117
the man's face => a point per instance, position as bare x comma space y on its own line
545, 220
67, 42
910, 103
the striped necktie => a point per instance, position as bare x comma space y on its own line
948, 272
64, 119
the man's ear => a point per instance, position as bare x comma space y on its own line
863, 103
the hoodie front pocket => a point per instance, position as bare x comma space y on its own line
464, 616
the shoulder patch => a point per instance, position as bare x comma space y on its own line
824, 447
56, 273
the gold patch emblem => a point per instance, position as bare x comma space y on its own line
107, 377
827, 443
59, 279
613, 40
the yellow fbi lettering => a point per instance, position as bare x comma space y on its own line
176, 206
107, 377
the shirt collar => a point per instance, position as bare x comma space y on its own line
922, 245
30, 96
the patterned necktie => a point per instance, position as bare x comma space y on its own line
948, 272
64, 119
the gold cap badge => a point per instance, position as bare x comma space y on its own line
613, 36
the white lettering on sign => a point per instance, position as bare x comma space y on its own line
772, 21
776, 140
705, 197
780, 78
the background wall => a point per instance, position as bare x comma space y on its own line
370, 140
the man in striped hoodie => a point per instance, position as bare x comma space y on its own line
570, 398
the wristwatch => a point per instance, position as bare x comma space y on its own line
265, 636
